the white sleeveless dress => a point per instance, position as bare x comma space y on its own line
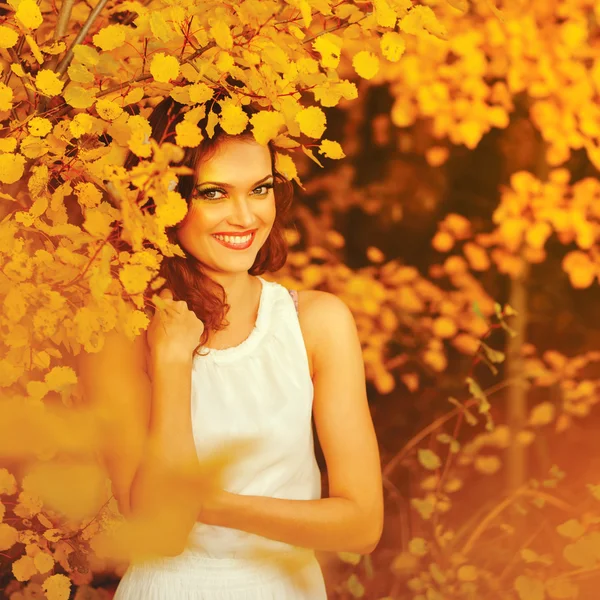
260, 391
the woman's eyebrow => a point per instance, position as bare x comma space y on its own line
229, 185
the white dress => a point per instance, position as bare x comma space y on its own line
260, 391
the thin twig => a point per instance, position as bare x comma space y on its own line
414, 441
64, 16
66, 61
336, 28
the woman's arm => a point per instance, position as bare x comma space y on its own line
145, 423
328, 524
164, 487
351, 519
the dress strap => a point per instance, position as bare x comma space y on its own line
294, 295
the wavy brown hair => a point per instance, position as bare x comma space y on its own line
185, 276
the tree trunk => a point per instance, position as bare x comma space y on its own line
516, 406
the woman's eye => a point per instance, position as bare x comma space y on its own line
263, 190
211, 194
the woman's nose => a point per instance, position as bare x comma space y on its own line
242, 212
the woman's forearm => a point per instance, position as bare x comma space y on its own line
163, 484
328, 524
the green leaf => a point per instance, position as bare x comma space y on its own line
494, 355
429, 459
350, 557
469, 417
355, 587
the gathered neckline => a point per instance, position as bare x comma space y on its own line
259, 325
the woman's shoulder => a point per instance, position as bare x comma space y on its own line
315, 311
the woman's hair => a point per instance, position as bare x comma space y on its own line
185, 276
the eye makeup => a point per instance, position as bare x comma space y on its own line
205, 192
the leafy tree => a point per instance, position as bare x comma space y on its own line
78, 85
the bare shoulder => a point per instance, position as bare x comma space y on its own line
321, 315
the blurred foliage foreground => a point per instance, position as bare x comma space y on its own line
462, 230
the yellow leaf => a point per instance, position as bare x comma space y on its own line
8, 37
35, 49
200, 93
467, 573
572, 529
60, 378
329, 46
529, 588
429, 459
133, 96
284, 164
366, 64
233, 119
173, 210
43, 562
12, 167
164, 68
54, 48
57, 587
33, 147
542, 414
108, 110
384, 14
18, 70
477, 257
80, 124
442, 241
581, 553
48, 83
488, 465
24, 568
6, 97
420, 19
135, 278
578, 265
110, 37
29, 14
160, 28
221, 34
266, 125
392, 45
8, 536
444, 327
79, 97
225, 62
8, 144
80, 73
39, 126
331, 150
417, 546
97, 223
537, 234
8, 483
86, 55
312, 121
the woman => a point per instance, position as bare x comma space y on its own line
261, 375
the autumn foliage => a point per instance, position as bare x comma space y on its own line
78, 85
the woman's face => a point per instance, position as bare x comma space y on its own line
233, 200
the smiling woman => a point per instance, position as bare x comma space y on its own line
200, 384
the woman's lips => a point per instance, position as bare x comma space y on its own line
243, 246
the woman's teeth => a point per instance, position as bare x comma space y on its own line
234, 239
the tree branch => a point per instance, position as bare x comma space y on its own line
64, 17
66, 61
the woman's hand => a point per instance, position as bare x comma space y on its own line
174, 331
